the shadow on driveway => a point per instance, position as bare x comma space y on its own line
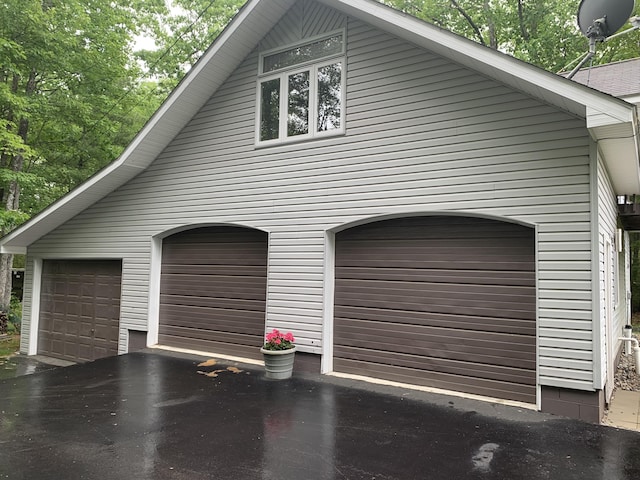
151, 415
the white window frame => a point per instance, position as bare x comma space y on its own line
283, 75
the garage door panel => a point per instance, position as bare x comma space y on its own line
73, 350
441, 264
463, 277
204, 286
445, 227
236, 254
387, 294
212, 345
247, 271
456, 309
432, 288
450, 365
462, 253
244, 304
80, 309
461, 383
383, 332
430, 295
240, 321
210, 334
489, 357
213, 289
415, 339
464, 321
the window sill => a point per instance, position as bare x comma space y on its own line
296, 140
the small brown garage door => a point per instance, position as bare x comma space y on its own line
446, 302
213, 290
79, 309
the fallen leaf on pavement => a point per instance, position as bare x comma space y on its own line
208, 363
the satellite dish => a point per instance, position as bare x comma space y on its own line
599, 19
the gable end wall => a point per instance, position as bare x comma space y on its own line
424, 135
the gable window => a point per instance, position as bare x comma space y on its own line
301, 90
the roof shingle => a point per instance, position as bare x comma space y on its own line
620, 79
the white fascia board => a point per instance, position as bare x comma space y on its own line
229, 49
600, 118
635, 99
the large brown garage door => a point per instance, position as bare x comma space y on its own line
79, 309
213, 290
446, 302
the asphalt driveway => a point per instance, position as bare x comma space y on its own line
157, 416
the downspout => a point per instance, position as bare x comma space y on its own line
636, 351
628, 330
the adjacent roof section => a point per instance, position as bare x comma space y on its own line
612, 122
620, 79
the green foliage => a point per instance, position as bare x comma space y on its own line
15, 315
184, 36
10, 219
11, 317
68, 85
9, 346
541, 32
19, 261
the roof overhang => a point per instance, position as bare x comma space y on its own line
612, 122
619, 145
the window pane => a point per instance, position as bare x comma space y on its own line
298, 101
303, 53
329, 97
270, 109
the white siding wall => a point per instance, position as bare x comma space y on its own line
27, 296
616, 293
606, 239
423, 135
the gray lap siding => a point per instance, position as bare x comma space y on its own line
424, 135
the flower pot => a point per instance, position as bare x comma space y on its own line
279, 363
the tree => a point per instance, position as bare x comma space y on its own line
184, 36
67, 86
542, 32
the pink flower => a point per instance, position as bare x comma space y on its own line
276, 340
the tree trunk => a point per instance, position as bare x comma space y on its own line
6, 263
12, 195
491, 26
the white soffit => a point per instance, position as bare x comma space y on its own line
618, 145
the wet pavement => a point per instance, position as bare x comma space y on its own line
18, 365
157, 416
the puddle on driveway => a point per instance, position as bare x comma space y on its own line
8, 368
19, 365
